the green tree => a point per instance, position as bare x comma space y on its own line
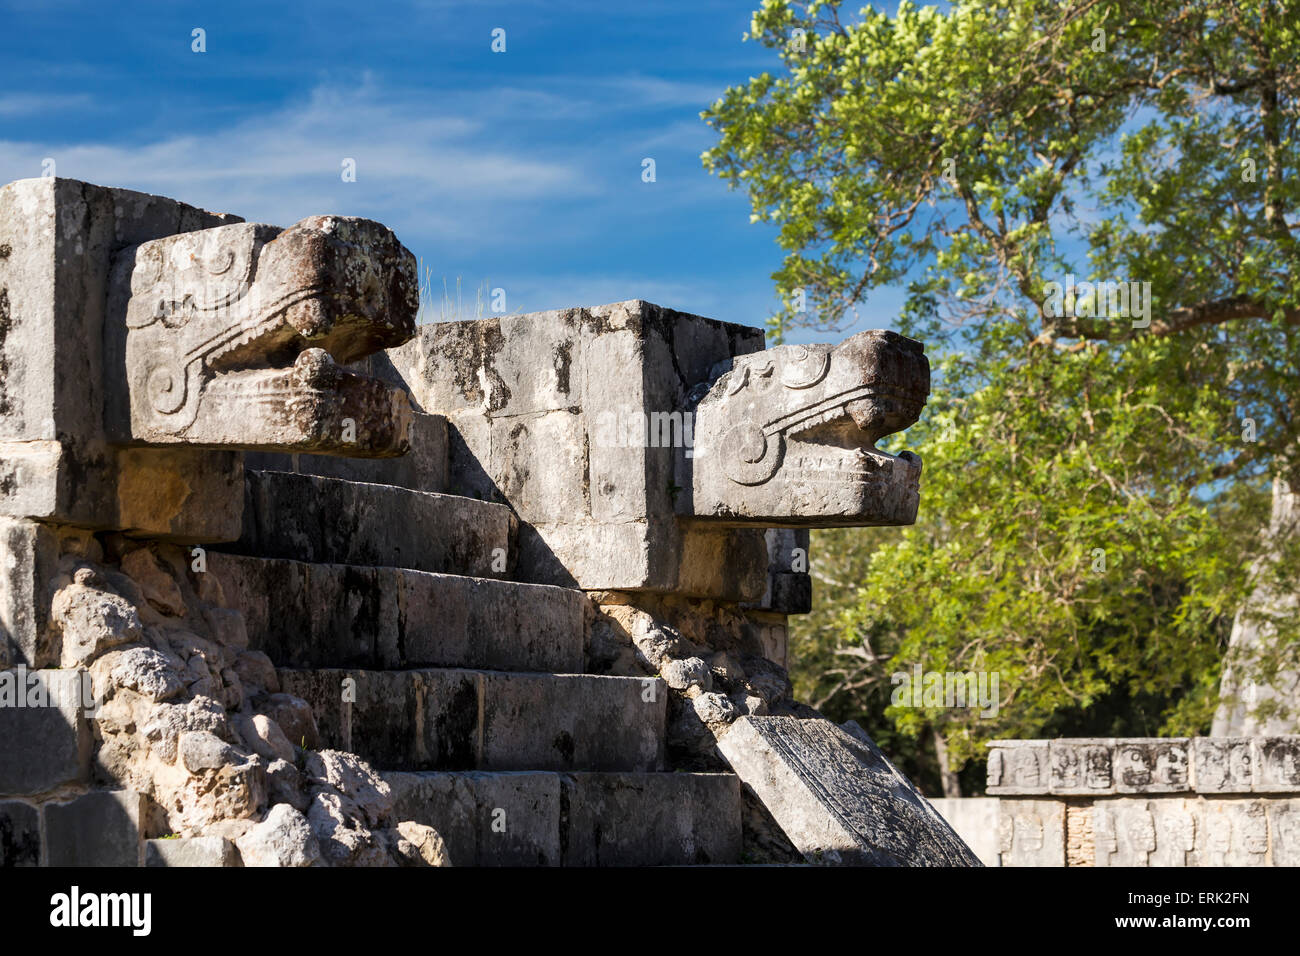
1096, 466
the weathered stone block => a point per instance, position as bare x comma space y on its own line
836, 796
313, 615
651, 819
1080, 766
791, 593
446, 719
20, 834
1276, 763
975, 820
185, 494
1152, 765
29, 556
1178, 827
566, 722
398, 720
329, 520
1124, 832
1032, 833
485, 819
1018, 767
727, 563
581, 819
1284, 829
44, 729
191, 851
1235, 833
423, 468
1222, 765
101, 828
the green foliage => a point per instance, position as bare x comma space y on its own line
977, 154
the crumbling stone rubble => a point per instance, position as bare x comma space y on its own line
195, 721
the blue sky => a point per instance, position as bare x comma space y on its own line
519, 170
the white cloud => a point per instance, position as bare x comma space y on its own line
413, 160
482, 167
30, 104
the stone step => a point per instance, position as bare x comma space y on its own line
333, 615
576, 819
453, 719
423, 468
334, 521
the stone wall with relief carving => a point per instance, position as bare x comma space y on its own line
1202, 801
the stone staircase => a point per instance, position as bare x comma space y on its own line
388, 610
357, 468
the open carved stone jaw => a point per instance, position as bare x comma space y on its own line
230, 337
786, 437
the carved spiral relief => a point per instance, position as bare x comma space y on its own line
750, 457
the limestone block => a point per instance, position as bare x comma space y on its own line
329, 520
1222, 764
1124, 832
531, 818
1235, 833
423, 468
546, 494
1276, 764
1080, 766
329, 615
485, 819
399, 720
787, 436
726, 563
774, 636
20, 834
1284, 829
1032, 833
1018, 767
791, 593
836, 796
181, 494
563, 722
29, 557
184, 494
975, 820
1178, 825
448, 719
100, 828
651, 819
1152, 765
191, 851
600, 556
44, 729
